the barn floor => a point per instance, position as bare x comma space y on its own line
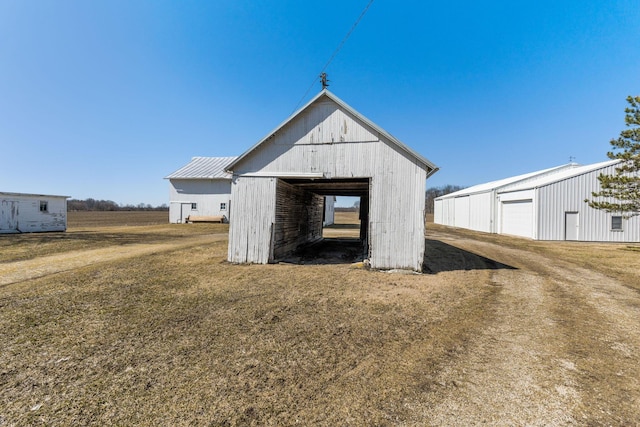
328, 251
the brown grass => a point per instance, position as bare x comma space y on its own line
182, 338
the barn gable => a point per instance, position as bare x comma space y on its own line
325, 120
328, 148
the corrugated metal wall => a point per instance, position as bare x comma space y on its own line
473, 211
568, 196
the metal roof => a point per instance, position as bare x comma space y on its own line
429, 167
560, 176
204, 168
494, 185
5, 193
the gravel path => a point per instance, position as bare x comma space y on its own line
562, 348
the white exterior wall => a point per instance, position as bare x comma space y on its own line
312, 143
329, 210
253, 216
474, 211
481, 208
594, 225
444, 212
20, 213
208, 194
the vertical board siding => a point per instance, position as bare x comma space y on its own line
325, 139
298, 218
20, 213
252, 218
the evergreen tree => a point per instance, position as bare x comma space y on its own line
623, 187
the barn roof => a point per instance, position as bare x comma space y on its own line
560, 176
494, 185
204, 168
426, 164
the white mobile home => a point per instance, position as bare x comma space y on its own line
552, 207
31, 213
328, 148
200, 188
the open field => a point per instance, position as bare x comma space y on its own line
148, 325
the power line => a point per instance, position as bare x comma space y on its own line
344, 40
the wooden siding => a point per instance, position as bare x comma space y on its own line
298, 218
397, 182
21, 213
252, 218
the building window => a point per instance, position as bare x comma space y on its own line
223, 206
616, 223
44, 206
194, 206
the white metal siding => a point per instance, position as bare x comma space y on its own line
461, 206
568, 196
480, 211
517, 218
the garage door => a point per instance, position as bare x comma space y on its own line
517, 218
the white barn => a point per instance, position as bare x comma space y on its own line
543, 205
31, 213
328, 148
200, 188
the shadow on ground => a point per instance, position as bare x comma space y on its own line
343, 226
439, 257
328, 251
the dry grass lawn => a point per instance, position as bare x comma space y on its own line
180, 337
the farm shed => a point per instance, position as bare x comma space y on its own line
32, 213
328, 148
551, 206
202, 188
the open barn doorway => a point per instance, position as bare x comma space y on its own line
342, 237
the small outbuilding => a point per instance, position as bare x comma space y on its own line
201, 188
328, 148
544, 205
32, 213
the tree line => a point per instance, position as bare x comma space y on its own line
434, 192
109, 205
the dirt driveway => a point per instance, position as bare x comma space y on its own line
561, 345
501, 332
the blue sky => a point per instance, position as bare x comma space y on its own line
103, 99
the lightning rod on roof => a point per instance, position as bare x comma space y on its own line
324, 81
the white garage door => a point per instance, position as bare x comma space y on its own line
517, 218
